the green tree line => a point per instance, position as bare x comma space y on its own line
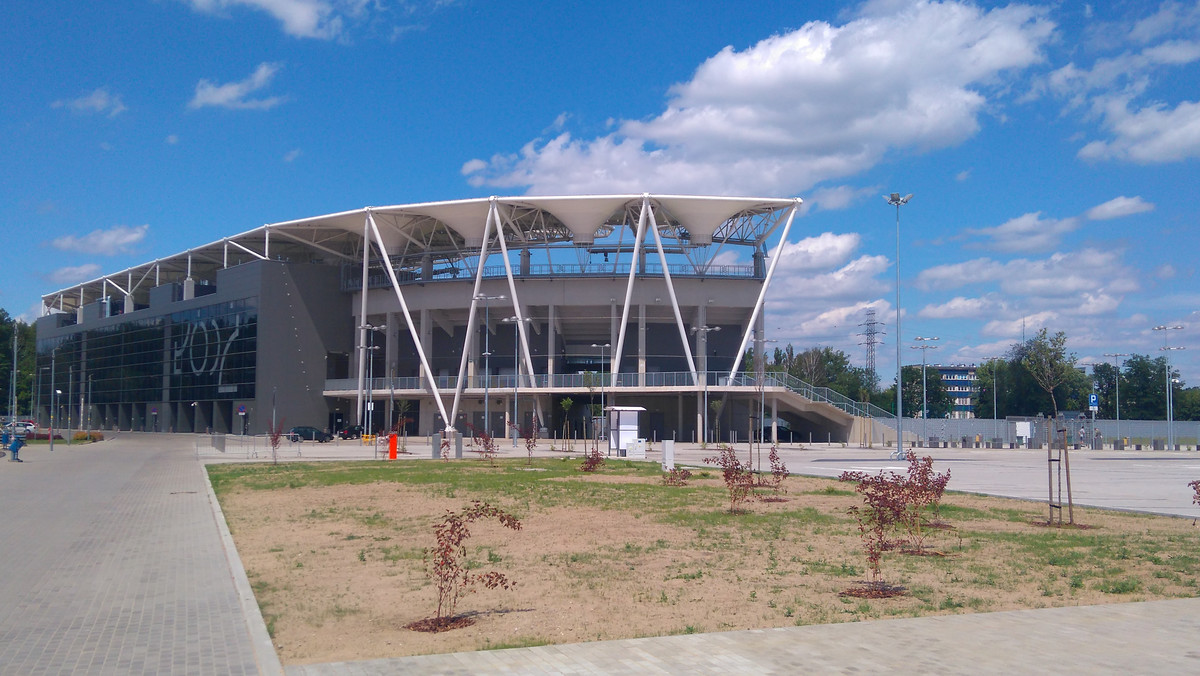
1037, 376
26, 364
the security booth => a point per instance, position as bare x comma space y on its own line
623, 427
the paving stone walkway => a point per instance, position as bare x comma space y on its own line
114, 560
112, 563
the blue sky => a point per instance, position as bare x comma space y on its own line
1052, 148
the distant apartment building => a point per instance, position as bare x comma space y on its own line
961, 384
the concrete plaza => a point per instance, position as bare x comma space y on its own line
116, 560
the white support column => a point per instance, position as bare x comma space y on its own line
473, 315
391, 344
637, 247
359, 417
702, 362
641, 345
517, 310
662, 258
412, 329
551, 319
762, 293
774, 419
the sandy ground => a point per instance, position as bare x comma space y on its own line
339, 571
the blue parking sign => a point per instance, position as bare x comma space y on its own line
1093, 401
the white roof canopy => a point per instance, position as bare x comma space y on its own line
450, 231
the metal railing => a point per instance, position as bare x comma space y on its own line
351, 279
595, 381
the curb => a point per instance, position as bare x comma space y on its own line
260, 639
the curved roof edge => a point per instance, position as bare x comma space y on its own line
581, 214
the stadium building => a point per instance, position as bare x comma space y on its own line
485, 312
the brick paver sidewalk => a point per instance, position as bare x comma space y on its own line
112, 563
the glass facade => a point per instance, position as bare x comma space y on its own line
202, 354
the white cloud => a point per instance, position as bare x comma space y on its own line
954, 275
291, 155
838, 197
98, 101
1062, 276
814, 104
1170, 17
234, 95
1151, 135
115, 240
300, 18
1097, 304
1028, 233
332, 19
961, 307
806, 292
73, 275
172, 139
1114, 90
962, 175
473, 166
823, 252
1118, 207
1029, 323
1165, 271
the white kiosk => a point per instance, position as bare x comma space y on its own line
623, 432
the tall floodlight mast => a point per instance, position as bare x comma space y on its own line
897, 201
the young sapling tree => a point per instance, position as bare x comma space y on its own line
447, 563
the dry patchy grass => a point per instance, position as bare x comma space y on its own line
335, 554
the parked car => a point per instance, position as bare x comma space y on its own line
22, 426
304, 432
351, 432
785, 434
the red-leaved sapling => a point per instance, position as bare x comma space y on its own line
739, 479
447, 563
1195, 498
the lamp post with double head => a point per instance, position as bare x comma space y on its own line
1117, 378
516, 369
897, 201
923, 347
603, 399
37, 397
703, 332
369, 355
1167, 367
487, 353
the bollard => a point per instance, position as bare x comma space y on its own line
392, 447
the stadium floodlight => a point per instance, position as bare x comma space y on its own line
897, 201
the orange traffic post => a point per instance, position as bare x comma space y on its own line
392, 447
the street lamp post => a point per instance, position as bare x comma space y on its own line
37, 397
487, 354
516, 370
1117, 363
603, 401
924, 402
369, 355
53, 407
53, 396
89, 406
1167, 364
704, 331
897, 201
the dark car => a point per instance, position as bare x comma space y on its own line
351, 432
784, 433
304, 432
